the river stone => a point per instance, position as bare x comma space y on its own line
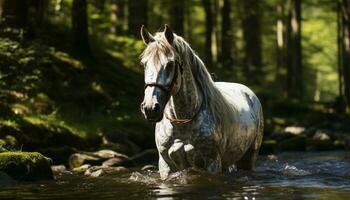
78, 159
149, 168
93, 158
114, 162
27, 166
105, 153
97, 171
81, 169
321, 141
294, 130
58, 168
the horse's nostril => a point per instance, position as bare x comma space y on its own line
142, 106
156, 107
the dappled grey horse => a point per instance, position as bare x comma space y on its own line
201, 124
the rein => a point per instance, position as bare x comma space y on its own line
168, 90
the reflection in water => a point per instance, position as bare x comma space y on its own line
293, 176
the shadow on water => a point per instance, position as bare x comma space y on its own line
324, 175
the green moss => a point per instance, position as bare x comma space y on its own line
11, 142
26, 165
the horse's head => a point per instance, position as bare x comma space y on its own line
162, 72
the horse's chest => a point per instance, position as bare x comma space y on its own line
199, 131
188, 144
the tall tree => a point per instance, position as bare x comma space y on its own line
117, 16
252, 39
210, 32
177, 16
280, 34
27, 16
14, 13
80, 27
138, 15
294, 55
226, 35
344, 10
188, 20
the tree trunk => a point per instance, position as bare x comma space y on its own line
117, 16
138, 16
177, 16
294, 55
280, 35
227, 35
252, 39
14, 13
80, 27
188, 17
345, 51
209, 31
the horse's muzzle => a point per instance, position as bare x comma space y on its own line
152, 112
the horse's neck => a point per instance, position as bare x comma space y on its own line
185, 103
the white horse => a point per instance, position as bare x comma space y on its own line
201, 124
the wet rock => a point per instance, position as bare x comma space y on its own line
78, 159
296, 143
272, 157
320, 141
105, 153
93, 158
26, 166
115, 162
294, 130
268, 146
58, 168
149, 168
82, 168
97, 171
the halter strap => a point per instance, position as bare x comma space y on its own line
184, 121
168, 90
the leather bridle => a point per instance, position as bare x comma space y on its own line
168, 90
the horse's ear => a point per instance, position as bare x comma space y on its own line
146, 36
169, 35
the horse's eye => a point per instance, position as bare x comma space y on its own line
170, 64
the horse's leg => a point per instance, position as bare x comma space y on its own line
247, 162
164, 168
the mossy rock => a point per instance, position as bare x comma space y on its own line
26, 166
296, 143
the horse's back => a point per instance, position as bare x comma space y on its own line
241, 97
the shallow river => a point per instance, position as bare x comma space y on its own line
297, 175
